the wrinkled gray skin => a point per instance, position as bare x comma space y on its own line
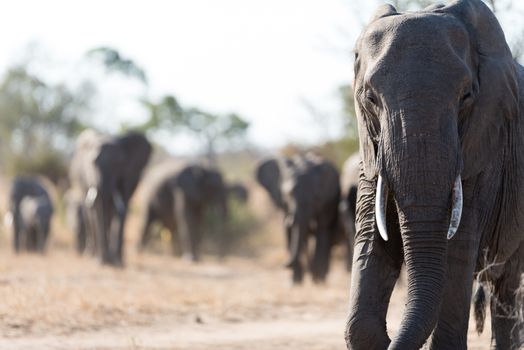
438, 94
177, 198
32, 211
348, 200
307, 190
106, 171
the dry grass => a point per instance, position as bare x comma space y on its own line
62, 301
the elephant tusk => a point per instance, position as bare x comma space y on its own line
91, 195
381, 200
456, 209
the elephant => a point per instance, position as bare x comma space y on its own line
439, 102
178, 197
105, 170
306, 188
32, 210
75, 217
348, 200
238, 191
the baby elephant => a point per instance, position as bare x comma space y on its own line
32, 210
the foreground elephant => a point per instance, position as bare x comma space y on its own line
177, 197
32, 210
307, 190
105, 171
348, 200
440, 113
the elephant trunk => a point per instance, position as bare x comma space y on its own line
423, 233
422, 184
297, 239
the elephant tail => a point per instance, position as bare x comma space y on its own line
479, 305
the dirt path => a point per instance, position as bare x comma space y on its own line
278, 334
61, 301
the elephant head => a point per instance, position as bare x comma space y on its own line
435, 91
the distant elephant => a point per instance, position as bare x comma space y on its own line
348, 200
238, 191
178, 197
306, 189
106, 171
32, 210
440, 110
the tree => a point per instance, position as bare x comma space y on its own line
212, 129
37, 122
167, 114
113, 61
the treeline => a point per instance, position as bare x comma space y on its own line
40, 118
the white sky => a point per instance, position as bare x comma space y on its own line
259, 58
256, 57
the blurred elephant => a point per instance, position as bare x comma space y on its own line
307, 190
177, 197
106, 171
238, 191
32, 210
348, 201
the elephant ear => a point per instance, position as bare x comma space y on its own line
383, 11
135, 152
368, 150
496, 101
269, 176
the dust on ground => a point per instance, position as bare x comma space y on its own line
64, 301
61, 301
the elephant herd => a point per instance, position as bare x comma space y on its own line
106, 170
437, 187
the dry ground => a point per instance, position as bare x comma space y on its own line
62, 301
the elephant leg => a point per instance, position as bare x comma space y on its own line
322, 253
298, 245
40, 238
507, 305
145, 230
31, 239
188, 222
171, 225
103, 227
17, 232
118, 259
376, 268
81, 239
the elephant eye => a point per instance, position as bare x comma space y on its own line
371, 98
466, 99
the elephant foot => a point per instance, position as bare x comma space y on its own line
298, 275
319, 279
290, 263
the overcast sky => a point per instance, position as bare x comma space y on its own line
260, 58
